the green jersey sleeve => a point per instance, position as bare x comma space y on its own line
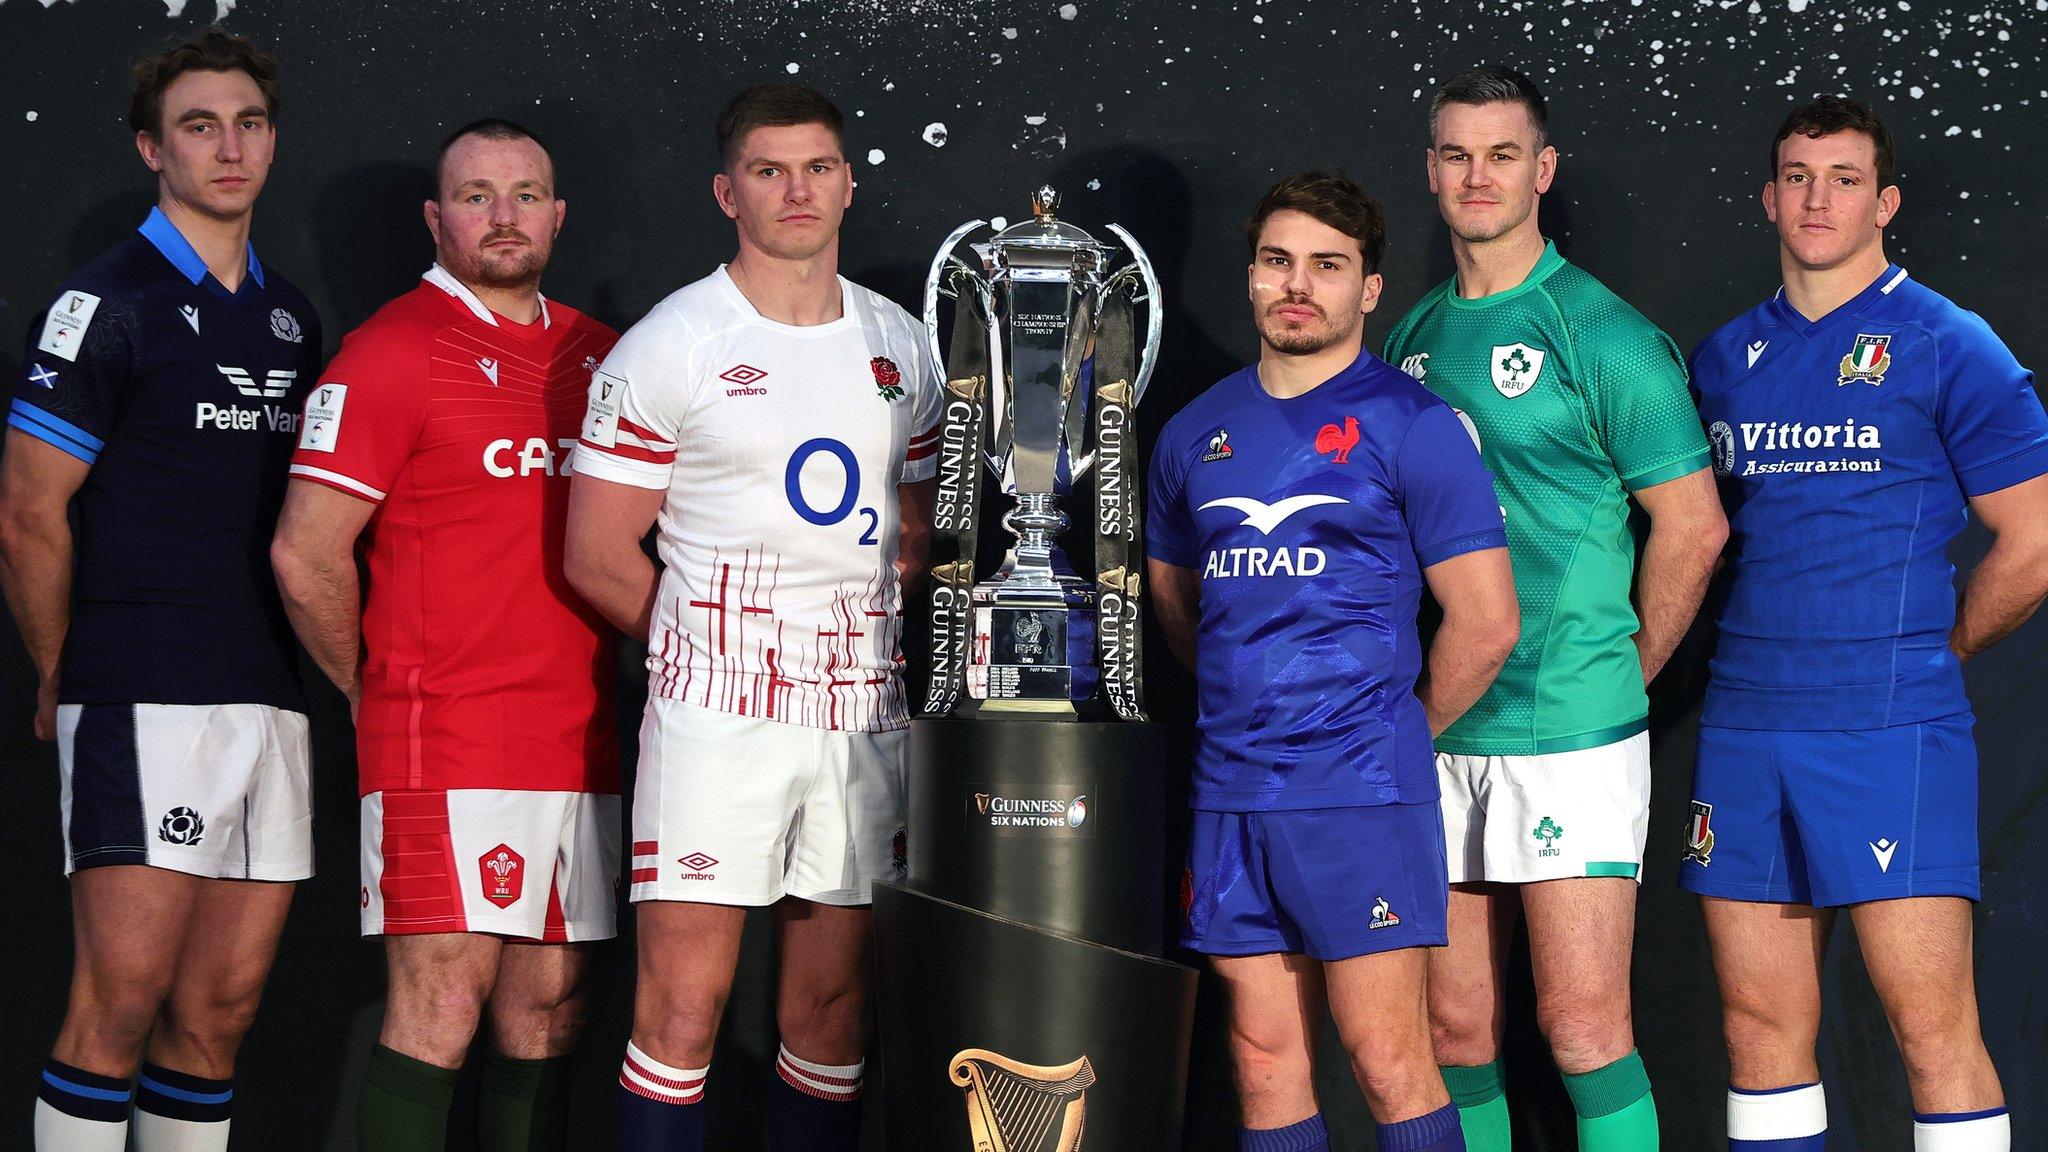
1641, 406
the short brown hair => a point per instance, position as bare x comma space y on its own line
210, 49
489, 128
1336, 200
775, 106
1492, 84
1831, 114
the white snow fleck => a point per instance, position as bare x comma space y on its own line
935, 134
1965, 195
1953, 130
792, 67
1034, 120
1068, 11
1095, 185
1916, 92
999, 222
31, 117
1009, 33
1258, 19
1795, 5
876, 156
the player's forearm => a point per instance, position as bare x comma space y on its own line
1464, 658
323, 598
35, 571
1678, 563
619, 581
2007, 587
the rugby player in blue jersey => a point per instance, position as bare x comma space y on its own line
1298, 510
1857, 420
161, 398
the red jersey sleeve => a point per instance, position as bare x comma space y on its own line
363, 419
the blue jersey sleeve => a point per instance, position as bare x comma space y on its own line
1990, 418
1169, 526
74, 374
1446, 493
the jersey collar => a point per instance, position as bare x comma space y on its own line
441, 278
1547, 263
159, 231
1887, 281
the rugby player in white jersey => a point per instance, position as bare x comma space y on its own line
779, 423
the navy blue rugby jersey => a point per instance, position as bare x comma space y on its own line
1310, 520
185, 399
1847, 449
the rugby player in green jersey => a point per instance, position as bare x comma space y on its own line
1579, 405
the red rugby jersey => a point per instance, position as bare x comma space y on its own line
483, 669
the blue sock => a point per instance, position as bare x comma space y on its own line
814, 1107
1987, 1131
1789, 1119
1301, 1136
661, 1109
1437, 1131
80, 1111
180, 1111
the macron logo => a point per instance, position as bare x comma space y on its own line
1883, 849
1756, 349
1266, 517
490, 368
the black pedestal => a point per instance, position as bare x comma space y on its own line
1019, 980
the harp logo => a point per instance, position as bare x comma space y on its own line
1017, 1107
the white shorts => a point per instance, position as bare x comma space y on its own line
742, 810
535, 865
1520, 819
216, 790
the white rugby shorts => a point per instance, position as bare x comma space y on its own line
216, 790
532, 865
742, 810
1521, 819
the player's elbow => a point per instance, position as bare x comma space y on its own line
583, 565
290, 564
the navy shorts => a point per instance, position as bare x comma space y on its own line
1834, 818
1329, 882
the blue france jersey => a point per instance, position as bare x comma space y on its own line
1310, 520
1847, 449
185, 400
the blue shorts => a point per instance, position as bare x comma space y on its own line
1329, 882
1834, 818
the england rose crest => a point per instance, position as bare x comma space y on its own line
888, 379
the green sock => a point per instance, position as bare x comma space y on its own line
1482, 1106
404, 1105
522, 1105
1616, 1112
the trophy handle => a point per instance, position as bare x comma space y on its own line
1155, 299
932, 280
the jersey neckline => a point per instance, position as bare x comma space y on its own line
731, 289
460, 293
1887, 281
1546, 264
1352, 371
165, 237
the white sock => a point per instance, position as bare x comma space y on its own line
154, 1133
58, 1131
1986, 1131
1790, 1113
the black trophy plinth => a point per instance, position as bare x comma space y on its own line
1020, 990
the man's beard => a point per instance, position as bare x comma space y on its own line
520, 270
1302, 341
1484, 235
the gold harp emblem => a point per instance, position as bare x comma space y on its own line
1017, 1107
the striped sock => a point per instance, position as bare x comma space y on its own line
80, 1111
179, 1112
1301, 1136
1437, 1131
814, 1106
1987, 1131
1790, 1119
661, 1109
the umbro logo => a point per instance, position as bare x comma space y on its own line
1756, 349
746, 380
490, 368
699, 865
1266, 517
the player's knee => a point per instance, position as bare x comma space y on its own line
1934, 1032
1585, 1033
677, 1026
441, 1005
539, 1023
116, 1007
1462, 1034
1395, 1078
821, 1018
205, 1031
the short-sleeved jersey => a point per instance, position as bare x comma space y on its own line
1847, 448
482, 668
184, 398
780, 448
1310, 520
1579, 401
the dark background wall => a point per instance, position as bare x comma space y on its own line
1169, 118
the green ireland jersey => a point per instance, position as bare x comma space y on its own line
1578, 400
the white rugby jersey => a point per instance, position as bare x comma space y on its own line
780, 448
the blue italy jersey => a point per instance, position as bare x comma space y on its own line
1310, 520
184, 398
1847, 448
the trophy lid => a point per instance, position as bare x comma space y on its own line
1045, 229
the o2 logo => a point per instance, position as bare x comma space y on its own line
792, 484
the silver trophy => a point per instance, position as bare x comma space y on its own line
1044, 375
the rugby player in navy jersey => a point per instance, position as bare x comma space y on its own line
160, 395
1298, 510
1858, 419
